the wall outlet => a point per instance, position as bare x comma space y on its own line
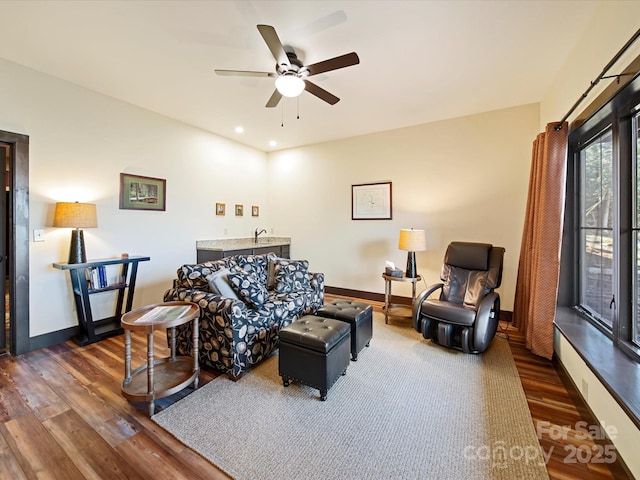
585, 390
226, 231
273, 230
38, 235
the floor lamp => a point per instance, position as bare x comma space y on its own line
412, 241
76, 215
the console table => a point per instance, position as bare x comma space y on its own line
91, 330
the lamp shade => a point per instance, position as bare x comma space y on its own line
412, 240
75, 215
289, 85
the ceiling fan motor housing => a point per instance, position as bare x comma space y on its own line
295, 67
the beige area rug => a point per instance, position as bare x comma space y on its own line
407, 409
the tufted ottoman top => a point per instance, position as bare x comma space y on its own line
345, 310
315, 333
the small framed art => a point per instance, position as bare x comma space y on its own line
239, 210
371, 201
142, 193
255, 211
220, 207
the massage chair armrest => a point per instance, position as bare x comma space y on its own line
484, 309
485, 326
417, 303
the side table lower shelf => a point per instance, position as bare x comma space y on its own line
169, 377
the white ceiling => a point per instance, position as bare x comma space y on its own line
420, 61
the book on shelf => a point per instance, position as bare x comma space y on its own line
95, 281
102, 276
163, 313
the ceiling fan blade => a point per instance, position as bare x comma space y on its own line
321, 93
275, 45
335, 63
244, 73
274, 100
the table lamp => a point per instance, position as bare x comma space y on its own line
76, 215
412, 241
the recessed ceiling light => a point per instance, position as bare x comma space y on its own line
239, 129
272, 143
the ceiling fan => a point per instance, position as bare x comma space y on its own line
290, 74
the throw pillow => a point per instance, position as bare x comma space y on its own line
249, 289
292, 276
254, 264
271, 271
219, 284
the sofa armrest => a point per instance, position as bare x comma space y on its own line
222, 311
317, 281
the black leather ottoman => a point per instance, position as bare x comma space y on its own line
314, 351
358, 315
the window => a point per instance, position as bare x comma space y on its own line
596, 229
600, 269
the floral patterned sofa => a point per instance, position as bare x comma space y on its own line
244, 301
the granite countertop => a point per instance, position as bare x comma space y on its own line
226, 244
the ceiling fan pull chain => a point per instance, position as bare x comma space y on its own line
298, 108
282, 114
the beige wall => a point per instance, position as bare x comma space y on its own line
460, 179
612, 26
80, 141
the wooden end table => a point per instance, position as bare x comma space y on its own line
161, 377
387, 293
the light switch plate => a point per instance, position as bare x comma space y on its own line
38, 235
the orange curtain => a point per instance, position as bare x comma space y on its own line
539, 266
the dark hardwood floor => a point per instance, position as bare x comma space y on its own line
63, 417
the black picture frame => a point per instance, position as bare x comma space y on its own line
371, 201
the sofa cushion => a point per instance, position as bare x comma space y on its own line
292, 275
219, 284
250, 290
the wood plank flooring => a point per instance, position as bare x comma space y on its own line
62, 417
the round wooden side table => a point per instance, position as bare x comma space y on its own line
159, 377
387, 293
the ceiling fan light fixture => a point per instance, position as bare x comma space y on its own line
289, 85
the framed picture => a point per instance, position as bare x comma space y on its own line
239, 210
142, 193
255, 211
371, 201
220, 208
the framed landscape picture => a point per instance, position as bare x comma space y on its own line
371, 201
142, 193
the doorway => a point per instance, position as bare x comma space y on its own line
14, 244
4, 249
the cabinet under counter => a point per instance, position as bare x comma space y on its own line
208, 250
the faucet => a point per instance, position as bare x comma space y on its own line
258, 233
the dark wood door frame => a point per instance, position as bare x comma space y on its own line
19, 339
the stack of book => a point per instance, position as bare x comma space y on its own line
97, 277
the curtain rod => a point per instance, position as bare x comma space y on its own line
600, 77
